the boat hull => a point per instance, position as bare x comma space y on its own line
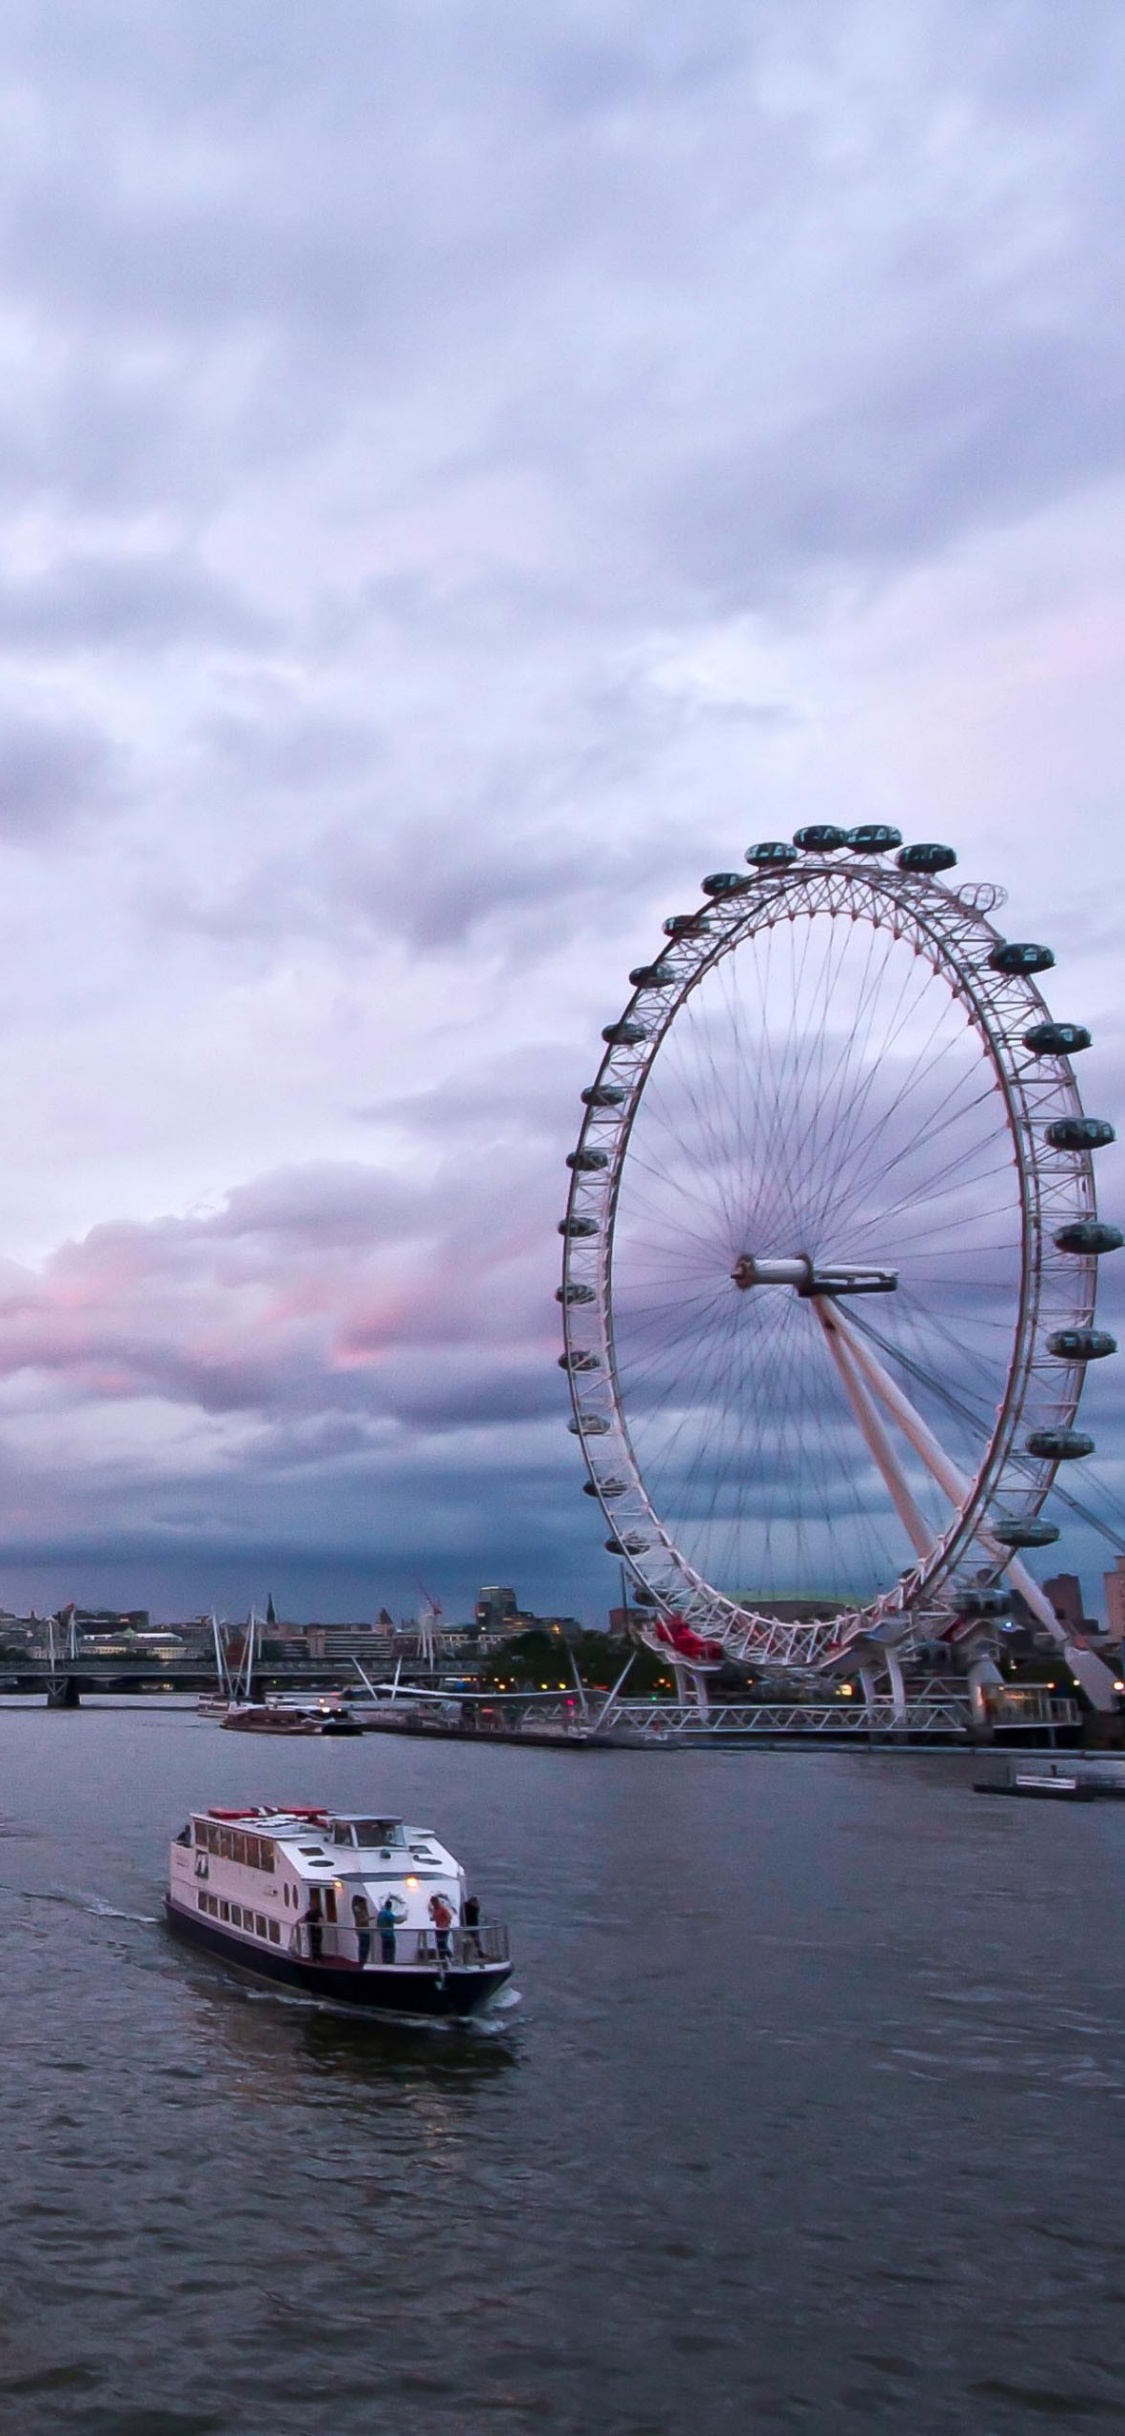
387, 1991
288, 1721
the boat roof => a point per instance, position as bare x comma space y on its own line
297, 1815
293, 1811
304, 1818
313, 1842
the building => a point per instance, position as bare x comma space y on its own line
568, 1628
628, 1619
1064, 1591
105, 1620
344, 1642
1115, 1600
496, 1609
339, 1644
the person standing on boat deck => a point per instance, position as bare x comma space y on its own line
361, 1914
442, 1918
386, 1921
314, 1922
470, 1917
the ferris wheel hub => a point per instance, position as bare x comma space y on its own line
801, 1273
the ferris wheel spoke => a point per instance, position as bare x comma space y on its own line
665, 1338
686, 1185
977, 1418
795, 1092
710, 1099
947, 1187
859, 1063
931, 1331
696, 1477
855, 1160
849, 1146
856, 1069
955, 1115
763, 1146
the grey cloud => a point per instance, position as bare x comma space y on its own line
289, 752
134, 601
570, 179
476, 1393
528, 1091
329, 1206
428, 886
905, 469
525, 847
53, 777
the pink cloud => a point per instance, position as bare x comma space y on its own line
293, 1297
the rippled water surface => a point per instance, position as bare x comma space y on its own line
811, 2117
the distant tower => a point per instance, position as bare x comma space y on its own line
1115, 1600
1064, 1591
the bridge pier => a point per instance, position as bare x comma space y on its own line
64, 1693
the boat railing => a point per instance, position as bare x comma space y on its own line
410, 1949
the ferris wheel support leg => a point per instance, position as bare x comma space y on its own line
699, 1688
898, 1687
1085, 1665
843, 1353
691, 1688
983, 1677
870, 1692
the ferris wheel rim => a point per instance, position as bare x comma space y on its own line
952, 931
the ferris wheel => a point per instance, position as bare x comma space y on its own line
830, 1259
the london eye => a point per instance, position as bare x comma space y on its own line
830, 1257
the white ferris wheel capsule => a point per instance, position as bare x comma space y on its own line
830, 1256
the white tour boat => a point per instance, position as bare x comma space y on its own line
365, 1911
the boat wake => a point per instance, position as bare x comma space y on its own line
80, 1899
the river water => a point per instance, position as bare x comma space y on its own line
811, 2117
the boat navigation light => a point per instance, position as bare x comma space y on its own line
412, 1881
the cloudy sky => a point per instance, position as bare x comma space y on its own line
466, 470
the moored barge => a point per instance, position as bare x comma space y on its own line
357, 1910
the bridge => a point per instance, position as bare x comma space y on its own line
149, 1674
935, 1711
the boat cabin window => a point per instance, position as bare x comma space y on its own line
369, 1833
230, 1844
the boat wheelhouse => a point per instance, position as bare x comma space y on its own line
356, 1909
